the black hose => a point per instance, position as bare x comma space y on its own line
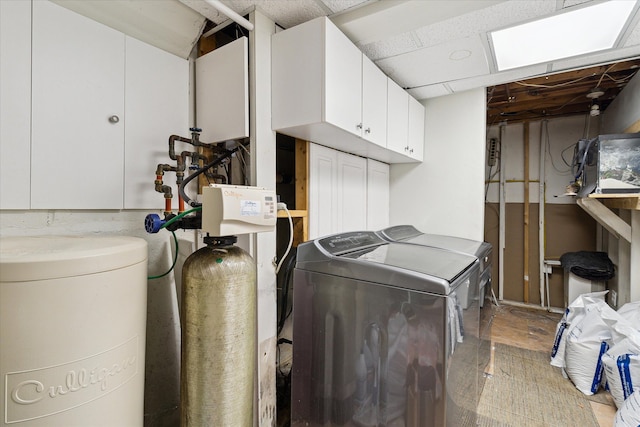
188, 179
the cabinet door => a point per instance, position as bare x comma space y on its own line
342, 81
352, 192
377, 195
397, 118
416, 129
15, 103
77, 157
222, 92
157, 106
322, 191
374, 103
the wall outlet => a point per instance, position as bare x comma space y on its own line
613, 298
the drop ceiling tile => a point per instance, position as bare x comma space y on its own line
341, 5
453, 60
392, 46
430, 91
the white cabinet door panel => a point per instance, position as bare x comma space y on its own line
322, 191
222, 92
416, 129
343, 82
15, 104
157, 106
78, 84
398, 118
377, 195
374, 103
352, 192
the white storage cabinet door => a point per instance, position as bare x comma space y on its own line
77, 159
222, 92
416, 129
15, 104
352, 192
398, 118
323, 196
377, 195
374, 103
157, 106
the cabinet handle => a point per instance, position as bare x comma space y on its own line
367, 130
411, 151
406, 148
359, 126
114, 119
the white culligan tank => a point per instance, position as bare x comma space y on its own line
72, 331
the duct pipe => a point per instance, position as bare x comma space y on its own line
224, 9
503, 218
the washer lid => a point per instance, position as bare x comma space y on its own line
51, 257
409, 234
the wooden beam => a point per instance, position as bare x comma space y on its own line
526, 212
609, 220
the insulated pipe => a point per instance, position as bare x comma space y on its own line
221, 7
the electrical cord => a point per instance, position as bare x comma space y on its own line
187, 180
282, 206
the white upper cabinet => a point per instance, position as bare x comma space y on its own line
398, 118
326, 91
15, 104
222, 92
89, 81
157, 106
374, 103
416, 129
342, 81
77, 157
405, 126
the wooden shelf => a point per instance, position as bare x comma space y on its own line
619, 201
294, 214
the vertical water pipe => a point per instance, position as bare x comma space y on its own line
525, 219
502, 220
541, 202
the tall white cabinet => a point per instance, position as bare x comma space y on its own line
337, 191
15, 104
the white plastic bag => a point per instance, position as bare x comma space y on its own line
573, 314
622, 368
587, 341
631, 312
629, 413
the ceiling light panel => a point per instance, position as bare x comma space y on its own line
577, 32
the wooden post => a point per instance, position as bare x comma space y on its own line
526, 212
